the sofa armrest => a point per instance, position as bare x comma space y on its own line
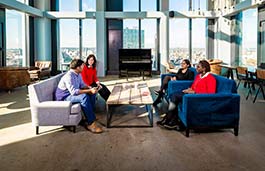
50, 112
58, 106
164, 75
177, 86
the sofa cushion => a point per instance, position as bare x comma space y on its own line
75, 108
49, 86
34, 71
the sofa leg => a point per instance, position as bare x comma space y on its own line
37, 130
74, 129
236, 131
187, 132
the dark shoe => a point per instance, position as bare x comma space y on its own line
174, 125
180, 128
162, 122
171, 125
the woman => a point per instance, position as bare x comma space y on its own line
183, 74
89, 76
204, 83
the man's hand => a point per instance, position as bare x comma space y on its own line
93, 90
88, 90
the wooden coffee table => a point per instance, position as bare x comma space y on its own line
136, 93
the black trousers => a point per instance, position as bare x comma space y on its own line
176, 99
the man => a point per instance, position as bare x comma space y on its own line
72, 88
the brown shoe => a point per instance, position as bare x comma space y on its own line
94, 128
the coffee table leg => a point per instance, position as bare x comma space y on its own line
108, 116
150, 114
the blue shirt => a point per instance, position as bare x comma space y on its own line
70, 84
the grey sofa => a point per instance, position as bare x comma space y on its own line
47, 112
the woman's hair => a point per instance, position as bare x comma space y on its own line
76, 63
205, 65
95, 61
187, 62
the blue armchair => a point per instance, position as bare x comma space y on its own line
220, 110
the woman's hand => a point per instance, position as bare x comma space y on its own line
99, 86
188, 91
173, 78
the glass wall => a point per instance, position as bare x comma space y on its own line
130, 5
178, 40
198, 40
199, 5
179, 33
89, 38
149, 38
71, 35
179, 5
249, 38
148, 5
69, 40
88, 5
71, 5
131, 33
15, 38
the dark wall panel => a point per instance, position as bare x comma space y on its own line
114, 5
114, 36
115, 28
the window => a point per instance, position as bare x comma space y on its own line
130, 5
70, 5
199, 5
88, 38
88, 5
131, 33
149, 38
178, 40
69, 40
148, 5
198, 40
179, 5
15, 38
249, 38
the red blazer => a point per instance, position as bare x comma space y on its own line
89, 75
205, 84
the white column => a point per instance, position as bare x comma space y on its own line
164, 35
101, 39
42, 27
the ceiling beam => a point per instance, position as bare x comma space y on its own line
16, 5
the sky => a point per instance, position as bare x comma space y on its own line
178, 27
